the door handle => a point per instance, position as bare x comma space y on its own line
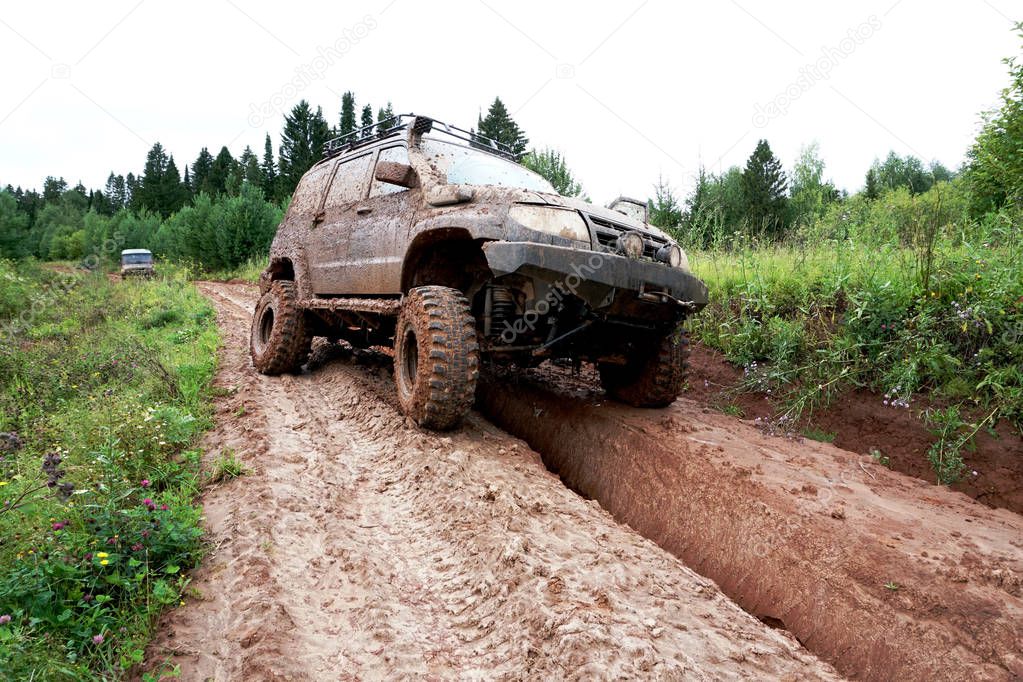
364, 210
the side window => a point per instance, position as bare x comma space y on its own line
397, 155
309, 192
350, 181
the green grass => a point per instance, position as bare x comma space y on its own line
248, 271
107, 385
941, 318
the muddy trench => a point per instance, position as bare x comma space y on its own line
871, 570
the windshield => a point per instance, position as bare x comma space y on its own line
137, 258
467, 166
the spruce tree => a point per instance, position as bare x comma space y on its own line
763, 186
383, 115
347, 123
223, 166
551, 165
499, 126
249, 164
131, 188
302, 142
201, 170
151, 185
367, 121
268, 171
173, 193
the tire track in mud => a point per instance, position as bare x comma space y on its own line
359, 547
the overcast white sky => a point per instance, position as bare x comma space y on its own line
625, 90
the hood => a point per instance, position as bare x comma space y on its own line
590, 209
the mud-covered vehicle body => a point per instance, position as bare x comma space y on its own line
136, 263
435, 240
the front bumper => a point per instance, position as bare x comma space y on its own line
593, 274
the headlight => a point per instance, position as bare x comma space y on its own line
670, 254
631, 244
560, 222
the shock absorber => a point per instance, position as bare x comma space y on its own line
502, 310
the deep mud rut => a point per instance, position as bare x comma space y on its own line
361, 547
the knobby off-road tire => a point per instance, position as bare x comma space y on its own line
436, 357
655, 377
279, 341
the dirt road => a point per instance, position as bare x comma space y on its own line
360, 547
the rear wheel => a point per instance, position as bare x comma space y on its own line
436, 357
655, 376
279, 341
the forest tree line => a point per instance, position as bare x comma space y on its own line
220, 210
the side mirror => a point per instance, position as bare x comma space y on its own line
394, 173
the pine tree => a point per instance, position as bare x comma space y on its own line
367, 121
347, 123
499, 126
187, 182
201, 170
268, 171
302, 142
383, 115
763, 186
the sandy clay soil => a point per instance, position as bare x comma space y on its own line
358, 546
361, 547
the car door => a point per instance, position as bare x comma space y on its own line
379, 236
328, 248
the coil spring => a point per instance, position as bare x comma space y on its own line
502, 309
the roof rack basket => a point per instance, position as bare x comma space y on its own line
360, 137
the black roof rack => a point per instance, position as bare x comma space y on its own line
360, 137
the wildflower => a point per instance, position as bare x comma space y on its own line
102, 555
104, 562
164, 507
4, 619
97, 639
149, 503
59, 525
144, 483
87, 597
137, 547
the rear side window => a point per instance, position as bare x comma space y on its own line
350, 181
398, 155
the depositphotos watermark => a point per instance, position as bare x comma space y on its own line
558, 291
313, 70
815, 72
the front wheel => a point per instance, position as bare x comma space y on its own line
436, 357
279, 341
654, 378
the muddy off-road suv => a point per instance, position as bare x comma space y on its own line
433, 239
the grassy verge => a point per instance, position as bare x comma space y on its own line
248, 271
944, 320
104, 388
